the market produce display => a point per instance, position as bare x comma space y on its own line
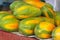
28, 25
46, 8
31, 17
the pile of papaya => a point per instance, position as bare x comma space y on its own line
31, 17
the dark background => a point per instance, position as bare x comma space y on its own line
4, 5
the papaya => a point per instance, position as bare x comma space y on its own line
56, 33
46, 8
36, 3
16, 4
48, 12
57, 19
49, 5
47, 19
43, 30
8, 22
26, 26
27, 11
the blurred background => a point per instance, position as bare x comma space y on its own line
4, 4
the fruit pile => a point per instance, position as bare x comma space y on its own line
32, 17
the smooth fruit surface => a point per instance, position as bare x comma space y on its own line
27, 11
44, 29
27, 26
56, 33
8, 22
